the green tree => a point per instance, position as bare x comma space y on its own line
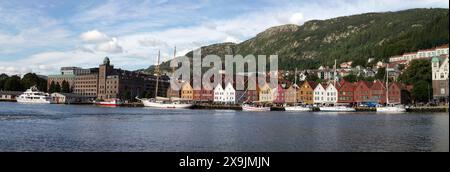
381, 74
313, 78
419, 70
57, 88
65, 87
421, 91
351, 78
29, 80
3, 78
52, 88
13, 84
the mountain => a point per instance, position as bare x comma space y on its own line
351, 38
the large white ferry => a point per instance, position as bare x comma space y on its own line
34, 96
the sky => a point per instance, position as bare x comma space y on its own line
43, 36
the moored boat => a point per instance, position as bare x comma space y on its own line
34, 96
298, 108
251, 108
110, 103
153, 103
391, 109
337, 109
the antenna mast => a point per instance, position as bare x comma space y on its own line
157, 71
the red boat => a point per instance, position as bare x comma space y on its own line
111, 103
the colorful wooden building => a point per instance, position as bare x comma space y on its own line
187, 93
278, 95
291, 95
306, 92
346, 92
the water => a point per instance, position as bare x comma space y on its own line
90, 128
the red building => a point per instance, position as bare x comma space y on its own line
279, 95
378, 92
362, 92
395, 93
346, 92
203, 95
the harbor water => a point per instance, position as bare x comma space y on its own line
61, 128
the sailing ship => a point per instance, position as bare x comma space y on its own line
390, 108
338, 108
163, 103
34, 96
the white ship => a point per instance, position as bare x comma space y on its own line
337, 109
165, 103
298, 108
251, 108
34, 96
390, 108
110, 103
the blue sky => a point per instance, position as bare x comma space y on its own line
42, 36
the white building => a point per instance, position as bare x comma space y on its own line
331, 96
421, 54
319, 94
230, 94
219, 94
440, 72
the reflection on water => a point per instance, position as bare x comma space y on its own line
90, 128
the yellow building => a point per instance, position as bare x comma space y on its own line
290, 95
306, 92
265, 94
187, 93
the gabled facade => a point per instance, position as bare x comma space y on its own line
187, 93
362, 92
290, 95
278, 95
307, 92
331, 96
395, 93
265, 94
319, 94
230, 94
346, 92
378, 92
204, 95
219, 94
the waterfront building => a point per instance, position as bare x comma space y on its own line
69, 98
307, 92
378, 92
230, 94
187, 93
319, 94
204, 95
395, 93
291, 95
331, 94
265, 94
440, 73
219, 93
9, 95
106, 82
346, 92
278, 95
362, 92
421, 54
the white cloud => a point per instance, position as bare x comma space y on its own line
111, 46
94, 36
296, 18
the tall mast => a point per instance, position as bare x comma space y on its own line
387, 85
335, 72
157, 75
295, 76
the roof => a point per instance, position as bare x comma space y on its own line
10, 93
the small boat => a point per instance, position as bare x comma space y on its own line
34, 96
251, 108
110, 103
298, 108
391, 109
337, 109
